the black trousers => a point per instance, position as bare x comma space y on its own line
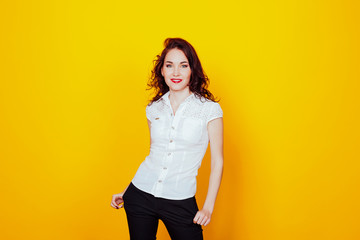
143, 212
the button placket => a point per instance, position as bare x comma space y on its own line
168, 157
172, 133
175, 122
163, 173
158, 188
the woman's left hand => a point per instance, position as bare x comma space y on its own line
202, 217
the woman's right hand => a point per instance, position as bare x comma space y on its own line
117, 200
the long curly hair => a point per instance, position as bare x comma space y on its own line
198, 80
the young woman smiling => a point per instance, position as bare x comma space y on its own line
183, 117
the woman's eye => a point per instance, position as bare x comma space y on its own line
184, 66
168, 65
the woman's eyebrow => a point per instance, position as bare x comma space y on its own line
172, 62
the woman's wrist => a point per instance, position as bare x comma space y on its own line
209, 207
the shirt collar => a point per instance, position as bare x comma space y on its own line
165, 98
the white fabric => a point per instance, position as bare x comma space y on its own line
178, 145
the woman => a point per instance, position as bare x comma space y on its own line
182, 117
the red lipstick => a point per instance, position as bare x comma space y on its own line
176, 80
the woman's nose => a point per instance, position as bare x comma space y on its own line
176, 71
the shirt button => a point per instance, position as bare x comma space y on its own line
160, 181
172, 127
171, 140
165, 168
169, 154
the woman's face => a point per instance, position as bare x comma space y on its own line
176, 70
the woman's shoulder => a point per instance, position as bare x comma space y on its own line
206, 102
152, 104
154, 108
151, 110
207, 108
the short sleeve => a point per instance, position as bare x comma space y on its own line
148, 112
215, 112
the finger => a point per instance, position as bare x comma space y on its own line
196, 217
116, 202
201, 220
117, 198
204, 220
201, 217
113, 202
207, 222
114, 206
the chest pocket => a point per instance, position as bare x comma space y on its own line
192, 130
158, 128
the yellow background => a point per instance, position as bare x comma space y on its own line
73, 126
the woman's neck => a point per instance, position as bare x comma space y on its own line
177, 97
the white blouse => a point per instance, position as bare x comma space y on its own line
178, 145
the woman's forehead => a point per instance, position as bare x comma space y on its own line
175, 55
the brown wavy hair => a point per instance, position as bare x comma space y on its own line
198, 80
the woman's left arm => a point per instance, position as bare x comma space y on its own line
215, 131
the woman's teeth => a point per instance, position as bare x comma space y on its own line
176, 80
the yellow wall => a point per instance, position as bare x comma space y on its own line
73, 128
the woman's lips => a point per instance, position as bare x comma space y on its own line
176, 80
